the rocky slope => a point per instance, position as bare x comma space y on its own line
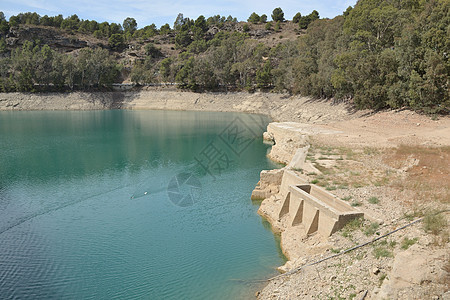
278, 106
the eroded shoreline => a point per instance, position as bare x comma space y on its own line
279, 107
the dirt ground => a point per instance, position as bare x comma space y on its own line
391, 129
395, 167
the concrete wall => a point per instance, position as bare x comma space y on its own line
289, 178
312, 207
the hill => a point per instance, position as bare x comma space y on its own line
378, 54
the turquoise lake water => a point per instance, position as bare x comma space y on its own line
132, 205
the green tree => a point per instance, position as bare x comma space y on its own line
264, 76
141, 72
278, 15
6, 84
23, 67
263, 18
57, 21
297, 18
152, 51
347, 11
14, 21
199, 28
306, 20
179, 22
114, 28
277, 26
3, 48
129, 25
165, 29
182, 39
95, 68
69, 70
46, 21
4, 27
254, 18
71, 23
185, 76
198, 46
116, 41
165, 69
44, 62
147, 32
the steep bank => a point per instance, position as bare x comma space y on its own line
279, 107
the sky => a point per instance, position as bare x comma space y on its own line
160, 12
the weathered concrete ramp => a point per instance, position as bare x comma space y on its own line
312, 207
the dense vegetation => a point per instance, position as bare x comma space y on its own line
380, 53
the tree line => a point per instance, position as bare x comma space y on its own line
35, 67
378, 54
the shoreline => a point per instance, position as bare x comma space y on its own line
278, 107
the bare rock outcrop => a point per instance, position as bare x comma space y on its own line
47, 35
414, 271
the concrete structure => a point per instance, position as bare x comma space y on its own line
268, 185
312, 207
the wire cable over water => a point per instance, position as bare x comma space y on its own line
24, 219
151, 186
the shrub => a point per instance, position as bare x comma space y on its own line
381, 251
355, 203
406, 243
374, 200
434, 223
371, 229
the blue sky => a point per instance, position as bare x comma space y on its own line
165, 11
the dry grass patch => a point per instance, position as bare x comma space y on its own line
342, 168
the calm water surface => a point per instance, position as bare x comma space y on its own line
91, 206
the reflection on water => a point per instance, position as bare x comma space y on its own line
85, 210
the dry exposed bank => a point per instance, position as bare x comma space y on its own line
393, 167
278, 106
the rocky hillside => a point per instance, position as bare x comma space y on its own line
69, 41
